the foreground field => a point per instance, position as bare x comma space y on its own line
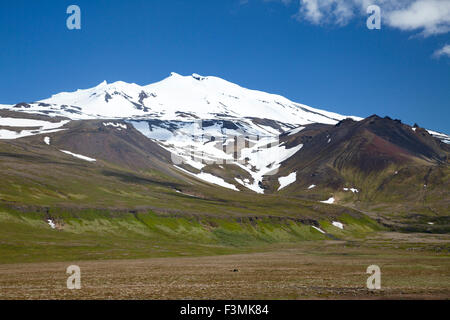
144, 255
412, 266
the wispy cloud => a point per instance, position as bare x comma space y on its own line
430, 16
326, 11
444, 51
427, 17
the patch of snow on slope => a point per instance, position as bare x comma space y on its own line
318, 229
262, 159
240, 181
11, 135
186, 194
441, 136
338, 225
311, 186
157, 133
354, 190
42, 127
115, 125
329, 201
216, 180
142, 127
285, 181
47, 140
51, 224
192, 162
211, 179
79, 156
268, 129
295, 131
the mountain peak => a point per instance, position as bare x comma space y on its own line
102, 84
179, 97
198, 77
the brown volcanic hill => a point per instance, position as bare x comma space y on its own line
370, 145
333, 155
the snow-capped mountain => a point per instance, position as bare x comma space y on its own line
178, 98
197, 119
169, 112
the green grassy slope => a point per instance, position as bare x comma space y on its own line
102, 234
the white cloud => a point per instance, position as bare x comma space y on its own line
444, 51
325, 11
428, 17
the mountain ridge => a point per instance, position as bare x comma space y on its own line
205, 97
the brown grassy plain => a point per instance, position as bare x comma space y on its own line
413, 268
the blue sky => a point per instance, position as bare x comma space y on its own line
277, 46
